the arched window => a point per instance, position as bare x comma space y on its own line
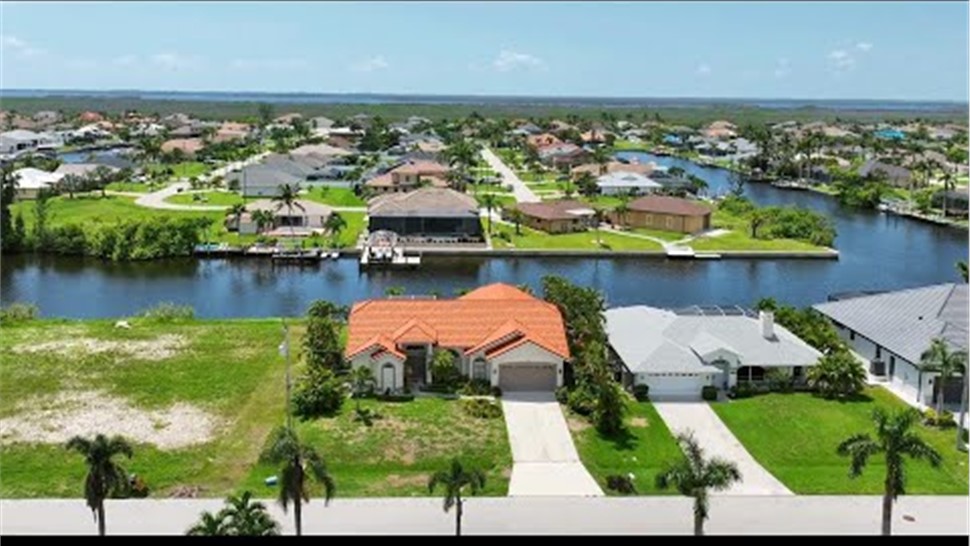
480, 369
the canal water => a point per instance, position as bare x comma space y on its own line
878, 252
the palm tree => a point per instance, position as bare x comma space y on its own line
938, 358
236, 211
586, 183
697, 184
210, 525
622, 208
454, 480
297, 461
105, 477
894, 438
262, 218
245, 518
489, 201
568, 189
363, 380
601, 156
598, 216
287, 197
517, 217
694, 475
949, 183
101, 176
335, 224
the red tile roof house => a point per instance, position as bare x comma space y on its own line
408, 177
496, 333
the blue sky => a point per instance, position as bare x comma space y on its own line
890, 50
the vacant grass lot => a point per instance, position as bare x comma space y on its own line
740, 237
137, 187
795, 437
185, 169
396, 456
335, 197
230, 370
583, 240
645, 448
213, 198
84, 209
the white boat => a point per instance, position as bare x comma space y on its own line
334, 255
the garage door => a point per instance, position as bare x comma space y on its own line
676, 386
527, 377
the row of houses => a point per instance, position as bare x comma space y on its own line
651, 212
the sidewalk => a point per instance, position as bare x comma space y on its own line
523, 194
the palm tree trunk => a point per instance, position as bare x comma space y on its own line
698, 524
298, 515
458, 518
963, 413
101, 518
887, 512
940, 383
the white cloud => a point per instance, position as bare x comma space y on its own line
782, 68
173, 61
124, 60
372, 64
512, 60
863, 46
703, 69
268, 64
841, 61
19, 47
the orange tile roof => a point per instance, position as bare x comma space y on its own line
496, 313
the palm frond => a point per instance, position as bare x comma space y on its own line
720, 474
860, 447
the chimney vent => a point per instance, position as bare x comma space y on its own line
767, 320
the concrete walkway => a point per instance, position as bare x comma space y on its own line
522, 192
716, 439
811, 514
544, 458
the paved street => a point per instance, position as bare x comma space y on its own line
545, 461
814, 515
522, 192
716, 439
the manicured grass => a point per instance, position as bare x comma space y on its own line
602, 201
186, 169
643, 450
502, 199
207, 198
131, 187
584, 240
335, 197
355, 225
230, 369
396, 456
488, 188
540, 186
794, 436
89, 208
738, 240
620, 145
665, 235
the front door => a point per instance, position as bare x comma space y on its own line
388, 377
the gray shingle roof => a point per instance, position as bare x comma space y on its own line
905, 321
434, 202
652, 340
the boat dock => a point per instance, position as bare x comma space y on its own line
395, 257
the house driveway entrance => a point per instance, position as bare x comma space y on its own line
544, 458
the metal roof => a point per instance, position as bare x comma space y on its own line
905, 321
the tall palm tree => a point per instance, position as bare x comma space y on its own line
622, 208
335, 224
894, 438
286, 196
236, 211
601, 156
517, 217
298, 460
949, 183
489, 201
598, 216
454, 480
105, 477
694, 475
246, 518
939, 358
586, 183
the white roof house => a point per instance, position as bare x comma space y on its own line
625, 181
30, 178
677, 354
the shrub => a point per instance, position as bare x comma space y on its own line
709, 392
621, 484
366, 416
610, 407
497, 392
18, 312
476, 387
942, 420
742, 390
837, 374
582, 400
319, 392
169, 312
641, 392
399, 397
137, 488
439, 388
481, 408
779, 380
562, 395
443, 369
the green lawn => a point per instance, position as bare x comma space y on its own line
502, 199
584, 240
207, 198
231, 370
186, 169
488, 188
544, 186
335, 197
740, 240
131, 187
644, 449
93, 208
355, 225
664, 235
795, 437
396, 456
620, 145
602, 201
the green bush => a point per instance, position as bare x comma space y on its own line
319, 392
444, 370
476, 387
18, 312
497, 392
641, 392
481, 408
837, 374
709, 393
562, 395
779, 380
742, 390
400, 397
582, 400
134, 239
621, 484
942, 420
168, 312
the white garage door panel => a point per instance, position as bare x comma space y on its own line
527, 377
680, 386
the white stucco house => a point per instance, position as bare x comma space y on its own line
677, 353
31, 181
496, 333
890, 331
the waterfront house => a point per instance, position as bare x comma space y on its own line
427, 214
31, 181
665, 213
893, 174
409, 176
262, 180
563, 154
496, 333
230, 130
304, 219
188, 146
596, 169
890, 331
677, 353
541, 140
82, 169
626, 183
559, 216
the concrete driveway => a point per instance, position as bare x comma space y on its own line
545, 461
522, 193
716, 439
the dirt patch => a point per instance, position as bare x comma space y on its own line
396, 480
160, 348
639, 422
576, 424
54, 420
405, 451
